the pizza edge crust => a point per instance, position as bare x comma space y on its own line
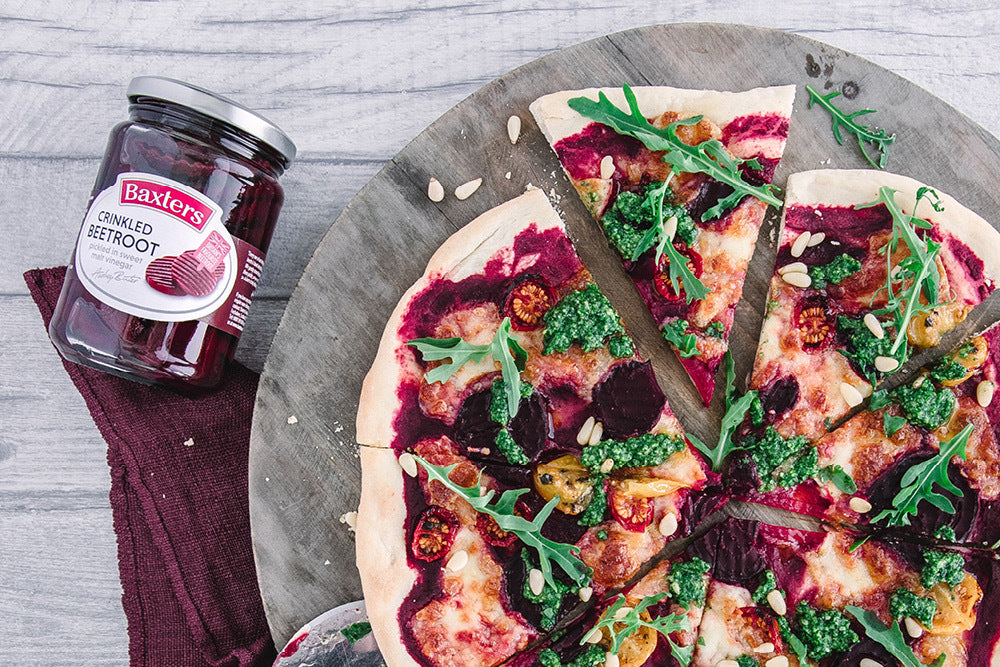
381, 551
557, 121
849, 187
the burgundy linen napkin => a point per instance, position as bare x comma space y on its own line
180, 506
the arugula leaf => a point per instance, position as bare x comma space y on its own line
736, 410
917, 273
633, 621
686, 344
919, 480
503, 348
891, 637
879, 399
840, 478
566, 556
865, 134
709, 157
891, 424
663, 238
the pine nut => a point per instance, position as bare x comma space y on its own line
777, 661
874, 325
668, 524
919, 381
611, 660
458, 560
623, 612
607, 167
797, 279
594, 636
799, 245
777, 602
596, 434
465, 190
583, 436
851, 395
912, 627
513, 128
408, 464
886, 364
860, 505
585, 593
798, 267
607, 466
670, 227
816, 238
435, 191
350, 518
766, 647
984, 392
536, 581
727, 663
868, 662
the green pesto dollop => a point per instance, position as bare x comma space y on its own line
862, 347
947, 369
498, 400
781, 461
715, 329
594, 513
549, 600
946, 566
356, 631
632, 214
644, 450
745, 660
756, 411
687, 582
592, 657
621, 346
905, 602
686, 343
924, 405
510, 449
585, 317
823, 632
602, 535
768, 583
834, 271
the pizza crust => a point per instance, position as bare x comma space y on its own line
463, 254
850, 187
386, 577
557, 121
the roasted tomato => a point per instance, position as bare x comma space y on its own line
434, 533
632, 512
638, 645
496, 535
528, 299
956, 611
814, 323
759, 628
661, 280
567, 478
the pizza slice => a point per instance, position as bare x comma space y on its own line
679, 182
784, 596
517, 457
870, 266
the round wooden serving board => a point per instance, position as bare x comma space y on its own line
304, 472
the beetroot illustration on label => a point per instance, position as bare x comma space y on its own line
157, 249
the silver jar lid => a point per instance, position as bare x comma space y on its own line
216, 106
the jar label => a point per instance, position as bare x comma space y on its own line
157, 249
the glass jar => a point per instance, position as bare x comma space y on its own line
174, 238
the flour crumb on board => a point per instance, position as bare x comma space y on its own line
189, 442
292, 419
326, 562
507, 175
351, 519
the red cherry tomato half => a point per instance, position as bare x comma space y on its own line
434, 534
760, 627
814, 323
493, 533
661, 280
527, 301
632, 513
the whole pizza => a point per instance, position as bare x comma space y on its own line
529, 497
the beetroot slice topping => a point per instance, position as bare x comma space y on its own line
628, 401
434, 534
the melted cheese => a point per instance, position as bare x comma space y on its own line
718, 638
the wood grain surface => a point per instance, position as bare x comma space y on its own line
352, 85
303, 476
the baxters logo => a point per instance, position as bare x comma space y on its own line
163, 198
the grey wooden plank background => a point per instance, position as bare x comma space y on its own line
352, 86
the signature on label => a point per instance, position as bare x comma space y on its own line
115, 276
